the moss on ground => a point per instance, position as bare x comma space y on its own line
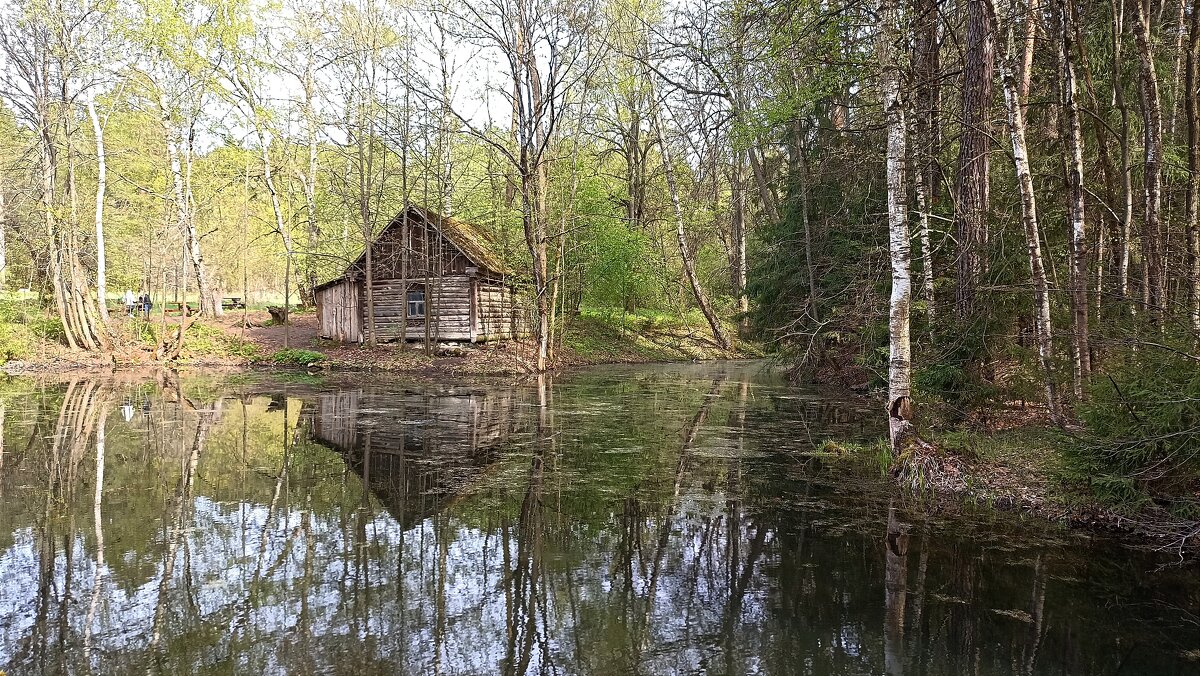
609, 335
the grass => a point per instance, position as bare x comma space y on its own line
612, 335
205, 342
290, 356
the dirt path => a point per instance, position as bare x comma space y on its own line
269, 336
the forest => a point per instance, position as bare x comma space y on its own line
988, 209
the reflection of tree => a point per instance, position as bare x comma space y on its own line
896, 590
98, 524
640, 622
79, 415
180, 502
525, 576
1037, 605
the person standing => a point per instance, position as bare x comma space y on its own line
129, 302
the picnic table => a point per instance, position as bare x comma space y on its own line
232, 303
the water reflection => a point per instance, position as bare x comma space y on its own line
629, 520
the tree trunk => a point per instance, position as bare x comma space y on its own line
1153, 159
806, 225
1016, 127
1118, 30
899, 406
926, 121
970, 218
1079, 253
535, 239
770, 207
48, 170
1193, 198
310, 188
685, 253
737, 223
1100, 129
3, 238
180, 157
101, 186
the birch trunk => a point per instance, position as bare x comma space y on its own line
1193, 198
927, 109
685, 254
1153, 159
1101, 129
1016, 128
1079, 253
899, 407
3, 239
180, 158
101, 187
48, 170
1118, 29
288, 247
310, 184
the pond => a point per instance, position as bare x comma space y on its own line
657, 519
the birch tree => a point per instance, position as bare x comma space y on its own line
899, 405
1192, 107
1029, 218
1079, 240
1152, 160
177, 76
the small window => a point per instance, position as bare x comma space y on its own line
416, 303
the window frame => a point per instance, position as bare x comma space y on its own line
410, 302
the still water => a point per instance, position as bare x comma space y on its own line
624, 520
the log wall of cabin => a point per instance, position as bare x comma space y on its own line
496, 312
447, 309
338, 312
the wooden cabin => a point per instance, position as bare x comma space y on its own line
429, 273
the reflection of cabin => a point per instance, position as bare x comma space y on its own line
463, 294
416, 449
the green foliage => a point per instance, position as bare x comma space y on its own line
296, 357
15, 342
1143, 420
22, 323
205, 341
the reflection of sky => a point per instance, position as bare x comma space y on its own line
245, 579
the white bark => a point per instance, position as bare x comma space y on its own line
689, 264
1079, 243
1016, 129
922, 196
180, 158
3, 240
900, 305
101, 188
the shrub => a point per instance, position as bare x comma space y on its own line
1144, 432
295, 357
203, 340
15, 341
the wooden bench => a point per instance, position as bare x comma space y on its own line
232, 303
